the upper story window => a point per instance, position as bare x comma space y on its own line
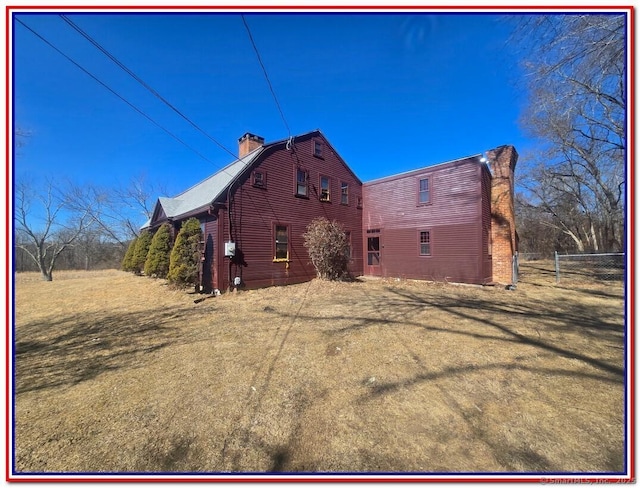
302, 182
359, 201
325, 190
317, 149
344, 193
424, 191
259, 179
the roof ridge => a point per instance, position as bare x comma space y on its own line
280, 141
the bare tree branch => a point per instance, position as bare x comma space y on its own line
576, 73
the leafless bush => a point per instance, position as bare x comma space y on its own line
327, 245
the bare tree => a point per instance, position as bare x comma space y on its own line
137, 202
541, 232
576, 76
45, 233
117, 212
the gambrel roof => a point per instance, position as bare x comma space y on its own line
200, 196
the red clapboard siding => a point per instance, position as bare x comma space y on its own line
255, 212
453, 217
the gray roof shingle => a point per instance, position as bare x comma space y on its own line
205, 192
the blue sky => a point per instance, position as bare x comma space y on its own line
391, 91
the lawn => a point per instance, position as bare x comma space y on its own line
118, 373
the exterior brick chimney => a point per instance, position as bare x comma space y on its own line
502, 161
247, 143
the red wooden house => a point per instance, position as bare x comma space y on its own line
449, 222
254, 211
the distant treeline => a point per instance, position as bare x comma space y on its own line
87, 256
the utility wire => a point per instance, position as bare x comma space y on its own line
264, 70
141, 112
148, 118
113, 91
122, 66
233, 180
156, 94
149, 88
142, 82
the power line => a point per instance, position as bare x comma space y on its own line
155, 93
234, 177
166, 102
264, 70
113, 91
141, 81
148, 87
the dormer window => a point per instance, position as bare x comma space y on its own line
317, 149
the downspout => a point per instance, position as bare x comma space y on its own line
229, 214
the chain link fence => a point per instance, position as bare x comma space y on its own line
603, 267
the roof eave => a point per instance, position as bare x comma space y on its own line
475, 158
194, 213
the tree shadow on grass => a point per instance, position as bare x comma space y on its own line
399, 308
616, 294
383, 388
566, 328
566, 316
83, 346
581, 280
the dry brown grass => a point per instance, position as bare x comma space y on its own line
117, 373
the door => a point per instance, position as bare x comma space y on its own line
373, 264
208, 257
208, 269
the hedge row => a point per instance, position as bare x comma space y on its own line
157, 257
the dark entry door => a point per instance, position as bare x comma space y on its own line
208, 269
374, 252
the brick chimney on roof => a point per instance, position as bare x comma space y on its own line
502, 161
248, 142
